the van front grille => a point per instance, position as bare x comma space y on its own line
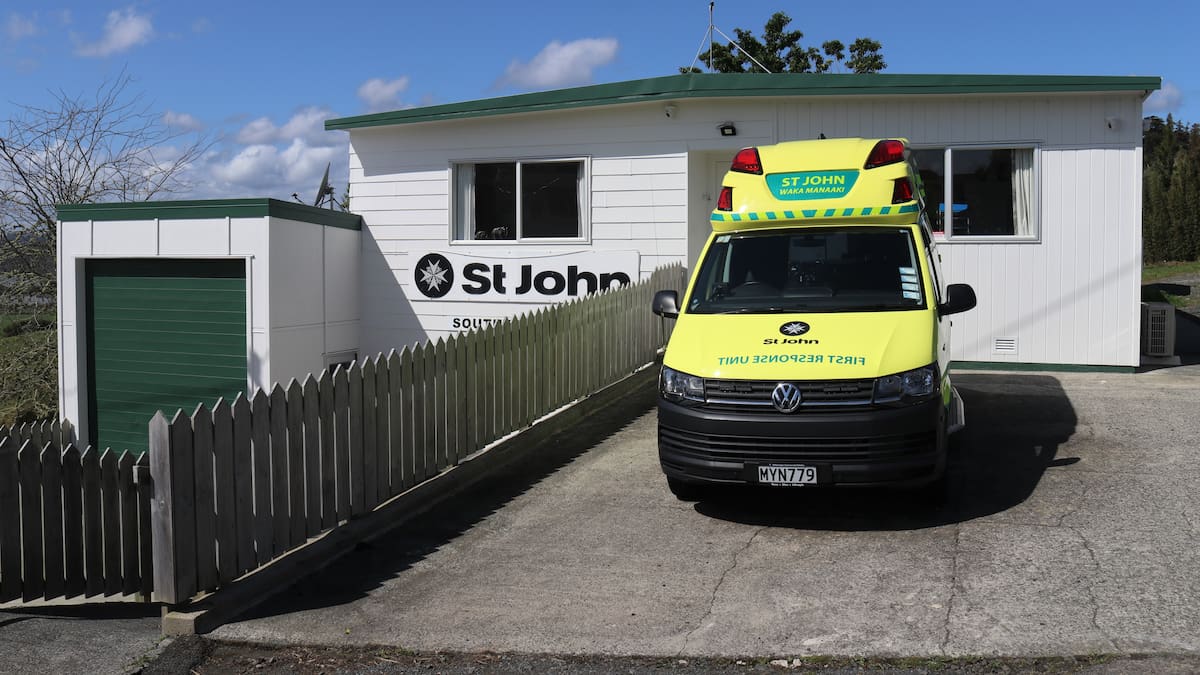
755, 395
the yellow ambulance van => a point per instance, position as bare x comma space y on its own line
812, 343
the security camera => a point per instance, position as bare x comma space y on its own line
669, 111
1112, 123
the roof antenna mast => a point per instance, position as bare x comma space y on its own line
708, 38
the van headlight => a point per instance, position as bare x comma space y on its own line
677, 386
916, 383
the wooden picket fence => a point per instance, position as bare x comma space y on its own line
71, 523
252, 479
60, 434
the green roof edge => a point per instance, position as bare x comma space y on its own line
719, 85
210, 208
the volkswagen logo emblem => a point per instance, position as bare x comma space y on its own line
433, 275
786, 397
794, 328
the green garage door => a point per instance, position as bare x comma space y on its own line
161, 335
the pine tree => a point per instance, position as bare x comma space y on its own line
1170, 191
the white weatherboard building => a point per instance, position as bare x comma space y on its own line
475, 211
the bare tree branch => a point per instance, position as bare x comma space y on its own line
106, 147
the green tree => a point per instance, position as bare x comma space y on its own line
779, 50
1170, 190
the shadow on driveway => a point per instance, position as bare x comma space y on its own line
373, 563
1015, 425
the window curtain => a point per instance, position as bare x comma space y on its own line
464, 198
1022, 188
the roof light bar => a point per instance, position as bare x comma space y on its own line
747, 161
884, 153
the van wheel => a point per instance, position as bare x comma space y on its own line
685, 491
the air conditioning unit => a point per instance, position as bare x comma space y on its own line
1158, 329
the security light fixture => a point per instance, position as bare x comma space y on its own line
727, 129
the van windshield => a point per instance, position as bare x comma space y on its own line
809, 270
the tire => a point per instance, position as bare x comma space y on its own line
685, 491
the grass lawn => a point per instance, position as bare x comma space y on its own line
29, 381
1159, 271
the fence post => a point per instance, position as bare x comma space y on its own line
172, 508
162, 505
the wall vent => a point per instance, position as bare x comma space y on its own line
1004, 345
1158, 329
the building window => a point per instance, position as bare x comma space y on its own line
520, 201
991, 191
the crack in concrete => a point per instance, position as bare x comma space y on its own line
1076, 504
1091, 591
953, 590
712, 601
1193, 531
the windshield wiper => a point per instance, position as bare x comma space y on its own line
875, 308
762, 310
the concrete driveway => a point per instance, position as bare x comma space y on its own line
1073, 528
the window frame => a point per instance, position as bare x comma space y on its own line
947, 197
584, 202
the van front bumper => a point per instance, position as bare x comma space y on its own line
903, 446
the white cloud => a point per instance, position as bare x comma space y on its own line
261, 130
271, 171
123, 30
253, 166
559, 64
17, 26
380, 94
182, 121
307, 124
268, 159
1165, 100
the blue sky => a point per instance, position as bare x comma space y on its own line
259, 79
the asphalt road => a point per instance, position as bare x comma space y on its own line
78, 638
1072, 528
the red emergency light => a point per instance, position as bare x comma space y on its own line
902, 191
725, 199
747, 161
884, 153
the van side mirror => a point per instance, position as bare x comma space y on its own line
959, 298
666, 304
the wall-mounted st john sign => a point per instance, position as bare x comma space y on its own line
528, 278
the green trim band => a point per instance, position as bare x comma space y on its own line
725, 85
809, 214
1038, 367
209, 208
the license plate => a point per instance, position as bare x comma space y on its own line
775, 474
